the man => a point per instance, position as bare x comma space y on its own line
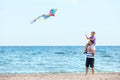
90, 57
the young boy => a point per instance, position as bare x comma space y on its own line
92, 38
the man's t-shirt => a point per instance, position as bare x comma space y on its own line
89, 54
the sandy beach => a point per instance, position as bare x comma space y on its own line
61, 76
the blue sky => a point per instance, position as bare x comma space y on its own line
73, 20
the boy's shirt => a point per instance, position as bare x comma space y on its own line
94, 39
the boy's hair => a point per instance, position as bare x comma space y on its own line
93, 32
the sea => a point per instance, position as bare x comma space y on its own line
56, 59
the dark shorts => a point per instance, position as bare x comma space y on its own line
90, 62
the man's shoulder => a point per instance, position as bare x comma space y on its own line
93, 47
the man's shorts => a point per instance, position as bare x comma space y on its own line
90, 62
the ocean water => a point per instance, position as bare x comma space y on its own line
56, 59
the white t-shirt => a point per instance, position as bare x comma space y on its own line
89, 54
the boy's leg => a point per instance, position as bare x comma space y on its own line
86, 48
86, 71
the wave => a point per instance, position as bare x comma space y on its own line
105, 55
59, 52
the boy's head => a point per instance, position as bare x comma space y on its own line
92, 33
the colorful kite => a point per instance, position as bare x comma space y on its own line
45, 16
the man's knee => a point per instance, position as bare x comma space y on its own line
87, 67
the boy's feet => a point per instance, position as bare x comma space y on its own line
85, 52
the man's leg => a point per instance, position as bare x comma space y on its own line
92, 71
86, 71
92, 65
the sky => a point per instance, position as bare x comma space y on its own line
73, 19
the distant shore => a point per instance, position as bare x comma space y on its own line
61, 76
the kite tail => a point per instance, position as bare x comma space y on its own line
45, 16
36, 19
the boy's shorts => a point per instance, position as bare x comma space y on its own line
90, 62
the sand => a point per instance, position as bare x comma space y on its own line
61, 76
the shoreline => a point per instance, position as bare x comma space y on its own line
61, 73
61, 76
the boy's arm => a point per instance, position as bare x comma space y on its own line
92, 39
86, 37
89, 38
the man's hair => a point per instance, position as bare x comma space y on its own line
93, 32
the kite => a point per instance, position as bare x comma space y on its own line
45, 16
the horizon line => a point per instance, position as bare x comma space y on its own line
51, 45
